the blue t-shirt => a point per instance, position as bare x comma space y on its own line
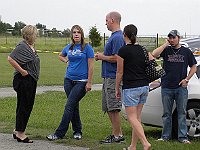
78, 61
114, 43
175, 64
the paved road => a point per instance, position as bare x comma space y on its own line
8, 143
6, 92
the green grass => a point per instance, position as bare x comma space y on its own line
48, 108
47, 113
52, 70
42, 44
7, 44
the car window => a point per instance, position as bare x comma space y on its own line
198, 71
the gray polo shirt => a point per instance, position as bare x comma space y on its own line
27, 59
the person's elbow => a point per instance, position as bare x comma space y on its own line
154, 54
119, 73
194, 67
9, 59
60, 56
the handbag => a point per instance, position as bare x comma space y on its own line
152, 70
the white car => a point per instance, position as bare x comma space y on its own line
153, 109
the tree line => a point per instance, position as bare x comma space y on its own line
8, 29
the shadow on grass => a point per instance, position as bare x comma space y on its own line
153, 132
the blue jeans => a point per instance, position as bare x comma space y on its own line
180, 96
75, 91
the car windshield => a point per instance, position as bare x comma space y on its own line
192, 43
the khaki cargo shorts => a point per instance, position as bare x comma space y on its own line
109, 101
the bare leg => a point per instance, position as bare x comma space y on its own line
134, 117
134, 135
21, 135
116, 123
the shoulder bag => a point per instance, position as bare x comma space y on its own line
152, 70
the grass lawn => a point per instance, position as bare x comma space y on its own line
48, 109
47, 113
43, 44
52, 70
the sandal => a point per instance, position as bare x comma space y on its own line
14, 135
26, 140
186, 142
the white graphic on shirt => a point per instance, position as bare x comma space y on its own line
176, 58
76, 52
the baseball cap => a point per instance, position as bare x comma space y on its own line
174, 33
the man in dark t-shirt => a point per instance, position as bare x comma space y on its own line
176, 60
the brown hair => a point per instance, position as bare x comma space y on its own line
29, 34
131, 32
82, 37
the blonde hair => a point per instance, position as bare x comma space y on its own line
29, 34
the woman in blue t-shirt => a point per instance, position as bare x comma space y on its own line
78, 80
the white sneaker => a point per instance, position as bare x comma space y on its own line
161, 139
77, 136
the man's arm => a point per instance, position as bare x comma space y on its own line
192, 71
156, 53
101, 56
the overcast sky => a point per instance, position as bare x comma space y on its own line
150, 16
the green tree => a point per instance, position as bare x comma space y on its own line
54, 33
95, 37
66, 32
17, 28
41, 28
4, 27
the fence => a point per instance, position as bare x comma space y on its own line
7, 43
149, 42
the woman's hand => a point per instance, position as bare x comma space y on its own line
118, 94
88, 87
24, 73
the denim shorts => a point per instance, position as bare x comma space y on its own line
135, 96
